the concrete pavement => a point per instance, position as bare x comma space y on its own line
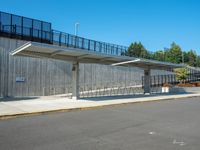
32, 106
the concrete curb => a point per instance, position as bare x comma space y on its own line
10, 116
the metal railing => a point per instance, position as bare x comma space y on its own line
15, 26
19, 27
65, 39
61, 39
25, 33
160, 80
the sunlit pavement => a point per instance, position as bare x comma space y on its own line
57, 103
158, 125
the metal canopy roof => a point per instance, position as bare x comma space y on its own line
34, 49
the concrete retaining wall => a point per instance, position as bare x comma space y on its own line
41, 76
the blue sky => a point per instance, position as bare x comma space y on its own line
156, 23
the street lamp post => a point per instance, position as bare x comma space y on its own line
183, 57
76, 29
164, 52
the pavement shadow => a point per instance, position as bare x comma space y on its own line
104, 98
8, 99
119, 97
173, 91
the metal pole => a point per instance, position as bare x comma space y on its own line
182, 57
75, 80
76, 29
147, 81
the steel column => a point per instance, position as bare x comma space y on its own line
147, 81
75, 80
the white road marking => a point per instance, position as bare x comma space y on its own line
180, 143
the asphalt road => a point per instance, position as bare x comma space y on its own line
164, 125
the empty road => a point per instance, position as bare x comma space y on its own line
163, 125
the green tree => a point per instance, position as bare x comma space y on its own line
174, 54
198, 61
192, 58
186, 58
181, 74
137, 50
159, 55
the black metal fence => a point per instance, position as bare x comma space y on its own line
65, 39
19, 27
160, 80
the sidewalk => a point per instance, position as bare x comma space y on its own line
40, 105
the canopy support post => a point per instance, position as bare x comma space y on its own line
147, 81
75, 80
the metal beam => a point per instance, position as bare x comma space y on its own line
105, 58
56, 52
21, 48
82, 56
126, 62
